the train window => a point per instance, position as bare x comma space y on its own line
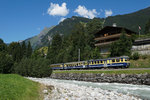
95, 62
126, 59
101, 61
110, 61
117, 60
92, 62
85, 63
113, 60
121, 59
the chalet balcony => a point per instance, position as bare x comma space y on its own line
103, 43
109, 37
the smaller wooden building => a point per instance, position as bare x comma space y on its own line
108, 35
142, 46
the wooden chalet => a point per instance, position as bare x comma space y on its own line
108, 35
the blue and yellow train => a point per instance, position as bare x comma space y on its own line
116, 62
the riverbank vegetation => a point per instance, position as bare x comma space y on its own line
15, 87
143, 61
19, 58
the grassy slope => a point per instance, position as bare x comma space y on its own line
15, 87
141, 63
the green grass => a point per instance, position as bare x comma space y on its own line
105, 71
140, 63
15, 87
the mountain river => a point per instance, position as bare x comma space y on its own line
79, 90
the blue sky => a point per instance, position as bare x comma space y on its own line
21, 19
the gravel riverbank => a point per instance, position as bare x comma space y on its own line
69, 91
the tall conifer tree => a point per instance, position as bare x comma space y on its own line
24, 49
29, 50
121, 47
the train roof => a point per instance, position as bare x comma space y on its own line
75, 62
57, 64
92, 60
110, 58
69, 62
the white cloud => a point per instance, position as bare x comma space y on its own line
108, 13
56, 10
62, 19
82, 11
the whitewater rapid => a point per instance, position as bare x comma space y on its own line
79, 90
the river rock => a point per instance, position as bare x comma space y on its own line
118, 78
123, 75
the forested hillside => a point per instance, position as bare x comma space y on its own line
63, 28
131, 21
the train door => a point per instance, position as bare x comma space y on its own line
105, 63
110, 61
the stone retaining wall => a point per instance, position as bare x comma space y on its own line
140, 79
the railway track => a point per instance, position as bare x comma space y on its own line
109, 69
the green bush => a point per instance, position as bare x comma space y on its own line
144, 56
33, 67
135, 56
6, 63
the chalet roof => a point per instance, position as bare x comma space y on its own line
111, 29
